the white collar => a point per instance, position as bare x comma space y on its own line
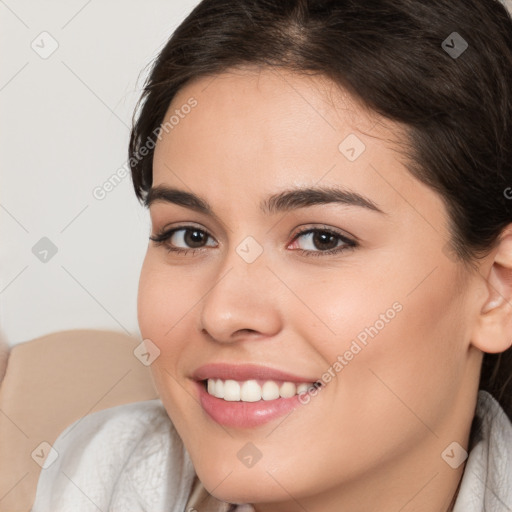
487, 480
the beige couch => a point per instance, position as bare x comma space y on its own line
49, 383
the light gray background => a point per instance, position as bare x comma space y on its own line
65, 127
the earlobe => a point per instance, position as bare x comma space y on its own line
493, 329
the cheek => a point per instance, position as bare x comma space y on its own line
165, 309
152, 301
387, 339
408, 369
351, 304
163, 301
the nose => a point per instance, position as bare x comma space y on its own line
241, 301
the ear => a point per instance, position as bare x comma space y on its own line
493, 328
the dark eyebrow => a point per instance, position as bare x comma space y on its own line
281, 202
310, 196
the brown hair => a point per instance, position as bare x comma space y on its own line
406, 60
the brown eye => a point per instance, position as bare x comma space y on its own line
182, 239
321, 242
194, 238
324, 240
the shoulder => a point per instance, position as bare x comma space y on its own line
487, 480
128, 457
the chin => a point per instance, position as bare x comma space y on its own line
237, 484
245, 491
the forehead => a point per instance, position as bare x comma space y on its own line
264, 129
273, 100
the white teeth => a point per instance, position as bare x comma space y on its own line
287, 390
251, 391
231, 391
270, 390
303, 388
218, 388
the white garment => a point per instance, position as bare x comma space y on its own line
487, 481
130, 459
125, 459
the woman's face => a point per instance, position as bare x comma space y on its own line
367, 300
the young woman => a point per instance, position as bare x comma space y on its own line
327, 288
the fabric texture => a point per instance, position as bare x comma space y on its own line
130, 459
124, 459
487, 481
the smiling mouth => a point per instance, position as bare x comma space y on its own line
255, 390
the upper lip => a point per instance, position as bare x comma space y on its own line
243, 372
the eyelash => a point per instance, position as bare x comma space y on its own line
163, 237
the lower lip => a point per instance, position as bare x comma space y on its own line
245, 414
